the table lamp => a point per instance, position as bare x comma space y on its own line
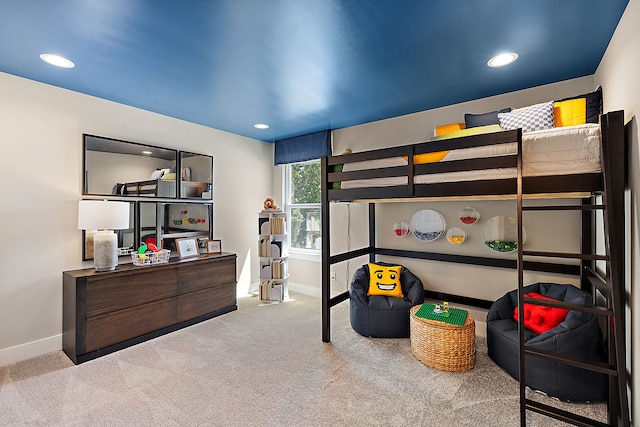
103, 216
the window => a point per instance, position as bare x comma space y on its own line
302, 202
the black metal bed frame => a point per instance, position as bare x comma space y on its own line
608, 289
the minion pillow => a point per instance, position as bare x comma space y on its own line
385, 280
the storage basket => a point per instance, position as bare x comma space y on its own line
443, 345
151, 258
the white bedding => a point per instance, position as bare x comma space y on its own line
556, 151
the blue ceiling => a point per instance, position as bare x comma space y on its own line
301, 65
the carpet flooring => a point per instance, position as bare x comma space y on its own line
265, 365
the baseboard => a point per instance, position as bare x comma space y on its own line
31, 349
306, 290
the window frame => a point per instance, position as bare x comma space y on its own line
295, 252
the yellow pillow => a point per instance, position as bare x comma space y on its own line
450, 127
419, 159
385, 280
436, 157
570, 113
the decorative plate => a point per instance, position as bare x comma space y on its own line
401, 228
427, 225
500, 234
456, 235
468, 216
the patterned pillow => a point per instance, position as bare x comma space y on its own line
534, 117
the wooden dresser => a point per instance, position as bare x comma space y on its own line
105, 312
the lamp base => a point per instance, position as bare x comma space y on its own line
105, 250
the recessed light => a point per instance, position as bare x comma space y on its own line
57, 60
147, 152
502, 59
261, 126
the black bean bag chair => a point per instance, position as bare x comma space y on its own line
382, 316
577, 336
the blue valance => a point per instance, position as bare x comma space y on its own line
302, 148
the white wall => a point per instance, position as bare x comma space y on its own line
619, 75
41, 131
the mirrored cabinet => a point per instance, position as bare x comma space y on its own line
121, 170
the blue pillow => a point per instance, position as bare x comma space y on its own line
484, 119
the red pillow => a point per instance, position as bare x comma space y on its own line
540, 318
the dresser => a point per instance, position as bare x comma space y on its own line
105, 312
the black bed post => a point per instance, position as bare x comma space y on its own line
326, 309
614, 160
520, 265
587, 245
372, 232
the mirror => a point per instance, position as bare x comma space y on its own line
165, 222
126, 238
120, 168
196, 178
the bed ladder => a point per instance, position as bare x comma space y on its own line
611, 287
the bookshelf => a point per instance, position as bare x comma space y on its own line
273, 251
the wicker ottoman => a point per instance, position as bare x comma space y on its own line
443, 345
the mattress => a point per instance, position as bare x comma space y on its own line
557, 151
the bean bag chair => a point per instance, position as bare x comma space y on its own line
382, 315
577, 335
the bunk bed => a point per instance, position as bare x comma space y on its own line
498, 165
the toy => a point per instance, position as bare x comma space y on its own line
442, 309
142, 249
270, 204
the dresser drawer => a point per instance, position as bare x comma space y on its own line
206, 301
110, 294
207, 275
112, 328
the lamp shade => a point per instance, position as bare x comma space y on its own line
103, 215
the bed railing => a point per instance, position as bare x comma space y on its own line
335, 177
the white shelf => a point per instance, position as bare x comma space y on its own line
273, 253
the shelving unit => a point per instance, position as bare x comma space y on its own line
273, 251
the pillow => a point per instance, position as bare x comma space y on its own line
450, 127
337, 168
593, 101
385, 280
571, 112
533, 117
423, 158
466, 132
156, 174
540, 318
475, 120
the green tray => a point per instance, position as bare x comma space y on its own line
456, 316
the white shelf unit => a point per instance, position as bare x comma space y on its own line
273, 251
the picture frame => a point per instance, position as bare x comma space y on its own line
214, 246
187, 247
